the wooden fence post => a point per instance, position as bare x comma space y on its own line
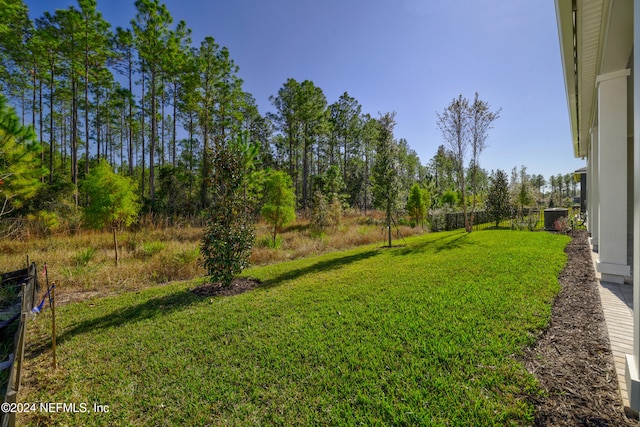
53, 324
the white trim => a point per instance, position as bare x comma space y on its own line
633, 361
616, 269
613, 75
632, 381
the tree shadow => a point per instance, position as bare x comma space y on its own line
161, 306
150, 309
454, 243
321, 266
445, 242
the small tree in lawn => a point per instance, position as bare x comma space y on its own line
113, 200
498, 202
386, 185
227, 242
280, 201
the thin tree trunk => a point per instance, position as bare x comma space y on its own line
51, 148
142, 127
162, 141
42, 162
173, 135
130, 151
389, 221
98, 130
305, 172
74, 137
115, 245
153, 141
121, 139
33, 105
275, 231
86, 102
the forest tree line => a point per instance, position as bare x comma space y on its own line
156, 107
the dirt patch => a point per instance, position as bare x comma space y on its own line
572, 359
238, 286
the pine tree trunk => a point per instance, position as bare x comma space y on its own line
142, 138
51, 83
154, 131
130, 148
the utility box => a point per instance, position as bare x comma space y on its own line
551, 215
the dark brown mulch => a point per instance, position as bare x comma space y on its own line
572, 359
238, 286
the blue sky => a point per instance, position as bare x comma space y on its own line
408, 56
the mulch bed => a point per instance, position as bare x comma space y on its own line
572, 359
238, 286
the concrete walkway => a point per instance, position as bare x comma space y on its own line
617, 305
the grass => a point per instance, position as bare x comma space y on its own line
429, 333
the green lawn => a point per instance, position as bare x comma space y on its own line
430, 333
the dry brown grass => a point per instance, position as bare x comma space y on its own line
82, 265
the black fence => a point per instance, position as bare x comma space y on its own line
526, 219
19, 290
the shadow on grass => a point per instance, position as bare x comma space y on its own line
445, 242
161, 306
454, 243
146, 310
318, 267
494, 227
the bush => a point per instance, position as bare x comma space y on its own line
82, 258
279, 207
438, 218
45, 222
229, 237
178, 265
335, 214
149, 249
268, 242
562, 224
319, 218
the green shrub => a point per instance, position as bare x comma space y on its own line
149, 249
178, 265
46, 222
335, 214
319, 218
82, 258
279, 208
230, 234
188, 256
269, 242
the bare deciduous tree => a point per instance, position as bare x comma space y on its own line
465, 126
